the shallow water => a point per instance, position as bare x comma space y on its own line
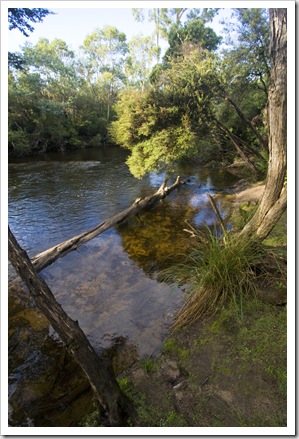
109, 284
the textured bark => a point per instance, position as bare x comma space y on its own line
274, 200
113, 403
47, 257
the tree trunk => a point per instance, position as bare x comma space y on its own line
113, 403
274, 200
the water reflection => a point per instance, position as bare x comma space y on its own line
111, 296
109, 283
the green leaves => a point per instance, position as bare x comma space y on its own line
155, 126
192, 35
104, 51
162, 113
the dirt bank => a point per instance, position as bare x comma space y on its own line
249, 194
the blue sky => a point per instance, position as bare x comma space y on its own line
73, 24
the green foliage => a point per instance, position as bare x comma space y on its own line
20, 18
148, 415
167, 124
174, 419
104, 56
248, 39
177, 119
149, 365
60, 100
193, 33
50, 106
243, 214
265, 342
170, 346
142, 51
19, 140
162, 149
91, 419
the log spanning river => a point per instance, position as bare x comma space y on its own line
110, 283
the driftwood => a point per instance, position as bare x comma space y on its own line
47, 257
116, 407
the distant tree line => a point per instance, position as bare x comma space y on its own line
200, 101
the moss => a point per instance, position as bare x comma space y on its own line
149, 365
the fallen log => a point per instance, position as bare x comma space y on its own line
47, 257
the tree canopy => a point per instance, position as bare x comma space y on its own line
201, 101
20, 18
198, 105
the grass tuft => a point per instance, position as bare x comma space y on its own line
216, 273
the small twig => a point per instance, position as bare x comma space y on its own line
204, 382
191, 227
192, 234
195, 233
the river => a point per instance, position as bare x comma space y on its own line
109, 284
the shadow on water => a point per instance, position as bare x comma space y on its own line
108, 284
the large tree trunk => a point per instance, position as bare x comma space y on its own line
113, 403
47, 257
274, 200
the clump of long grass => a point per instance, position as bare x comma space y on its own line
218, 271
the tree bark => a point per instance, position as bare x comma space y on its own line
113, 403
47, 257
274, 200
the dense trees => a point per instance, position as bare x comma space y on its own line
161, 125
41, 99
104, 51
138, 66
198, 102
197, 107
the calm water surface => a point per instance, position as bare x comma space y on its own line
109, 284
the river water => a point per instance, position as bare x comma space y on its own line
109, 284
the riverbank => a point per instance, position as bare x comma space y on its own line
219, 372
229, 368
